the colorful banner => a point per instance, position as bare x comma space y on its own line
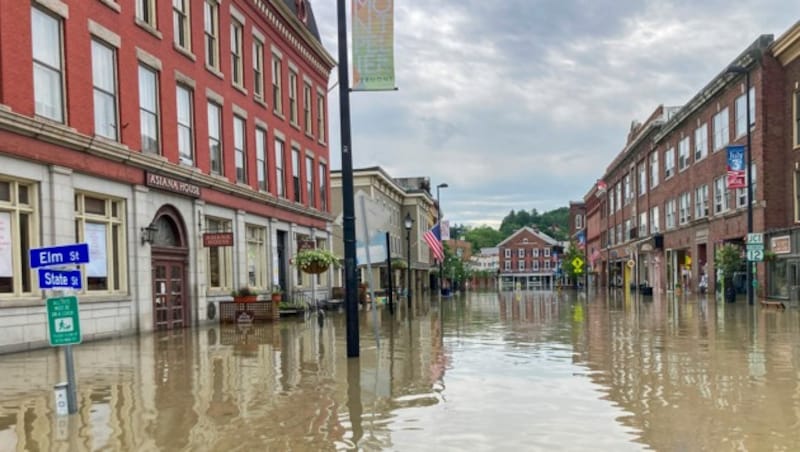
445, 230
736, 175
373, 45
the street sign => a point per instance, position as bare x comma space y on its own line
755, 255
59, 279
63, 320
577, 265
755, 237
77, 253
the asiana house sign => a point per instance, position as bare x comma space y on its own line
173, 185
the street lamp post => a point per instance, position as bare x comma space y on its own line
439, 222
750, 264
408, 222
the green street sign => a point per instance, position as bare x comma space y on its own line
63, 320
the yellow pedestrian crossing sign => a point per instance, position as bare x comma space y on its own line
577, 265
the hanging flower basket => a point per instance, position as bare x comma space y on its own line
315, 261
316, 268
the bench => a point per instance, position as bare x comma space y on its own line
772, 303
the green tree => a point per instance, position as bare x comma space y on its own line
566, 264
483, 237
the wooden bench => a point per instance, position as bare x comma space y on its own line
775, 304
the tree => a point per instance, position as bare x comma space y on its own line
566, 263
483, 237
457, 231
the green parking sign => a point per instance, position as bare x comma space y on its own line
63, 320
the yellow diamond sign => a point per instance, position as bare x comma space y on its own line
577, 264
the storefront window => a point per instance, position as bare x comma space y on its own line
17, 235
99, 221
778, 284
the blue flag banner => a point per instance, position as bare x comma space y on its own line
736, 166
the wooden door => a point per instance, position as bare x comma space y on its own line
169, 295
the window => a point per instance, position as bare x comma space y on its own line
256, 257
215, 137
258, 69
535, 252
309, 124
521, 265
654, 220
669, 209
701, 201
296, 173
146, 12
627, 188
237, 46
104, 78
653, 169
683, 154
611, 206
642, 224
321, 117
741, 193
721, 134
546, 265
619, 196
669, 163
642, 179
684, 214
18, 225
535, 266
148, 109
323, 187
507, 265
100, 222
611, 236
211, 32
48, 88
547, 252
720, 195
277, 102
578, 221
219, 258
619, 233
520, 252
741, 112
180, 23
310, 182
700, 142
239, 149
293, 97
628, 225
185, 125
508, 253
280, 177
261, 158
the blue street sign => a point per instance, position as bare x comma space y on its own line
77, 253
59, 279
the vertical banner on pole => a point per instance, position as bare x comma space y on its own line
736, 167
373, 45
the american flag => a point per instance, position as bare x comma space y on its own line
433, 239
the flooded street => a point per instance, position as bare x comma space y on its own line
535, 371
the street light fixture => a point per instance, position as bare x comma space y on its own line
743, 70
408, 222
439, 222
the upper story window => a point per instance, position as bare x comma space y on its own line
535, 252
669, 211
146, 12
215, 137
104, 78
237, 47
627, 188
741, 193
721, 203
685, 208
280, 176
293, 97
653, 169
309, 125
654, 220
683, 154
239, 149
700, 142
211, 33
180, 22
323, 187
277, 85
258, 69
701, 202
741, 112
521, 265
547, 252
507, 253
310, 182
669, 163
578, 221
148, 109
521, 252
321, 116
642, 224
48, 67
185, 125
261, 158
796, 118
642, 179
721, 133
296, 174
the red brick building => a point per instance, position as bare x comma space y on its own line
667, 207
185, 141
527, 260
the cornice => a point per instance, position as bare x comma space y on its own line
787, 48
69, 138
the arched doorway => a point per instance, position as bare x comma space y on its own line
169, 263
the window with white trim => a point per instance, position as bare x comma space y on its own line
185, 125
685, 208
669, 162
507, 253
741, 193
669, 210
627, 231
148, 110
258, 69
104, 80
535, 266
654, 174
321, 117
547, 265
219, 258
535, 252
619, 233
642, 179
181, 24
627, 188
280, 176
721, 131
740, 107
146, 12
237, 50
257, 257
296, 174
293, 97
211, 32
240, 148
100, 222
721, 196
642, 224
323, 187
683, 154
310, 199
277, 85
520, 252
619, 196
261, 159
547, 252
215, 137
308, 122
19, 229
507, 266
48, 65
655, 225
701, 201
701, 142
521, 265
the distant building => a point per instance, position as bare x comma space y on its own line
485, 268
527, 260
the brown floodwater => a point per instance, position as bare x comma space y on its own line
530, 371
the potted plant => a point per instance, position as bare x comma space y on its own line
315, 260
245, 294
728, 260
276, 293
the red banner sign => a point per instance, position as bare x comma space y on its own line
214, 239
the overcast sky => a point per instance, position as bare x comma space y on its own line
522, 104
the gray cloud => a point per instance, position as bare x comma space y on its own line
522, 104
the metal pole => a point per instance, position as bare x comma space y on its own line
348, 207
439, 221
389, 271
750, 264
72, 398
408, 269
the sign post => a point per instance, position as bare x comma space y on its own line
63, 315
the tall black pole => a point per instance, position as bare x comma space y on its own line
408, 269
390, 273
750, 264
439, 222
348, 203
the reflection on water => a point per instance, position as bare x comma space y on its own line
529, 371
